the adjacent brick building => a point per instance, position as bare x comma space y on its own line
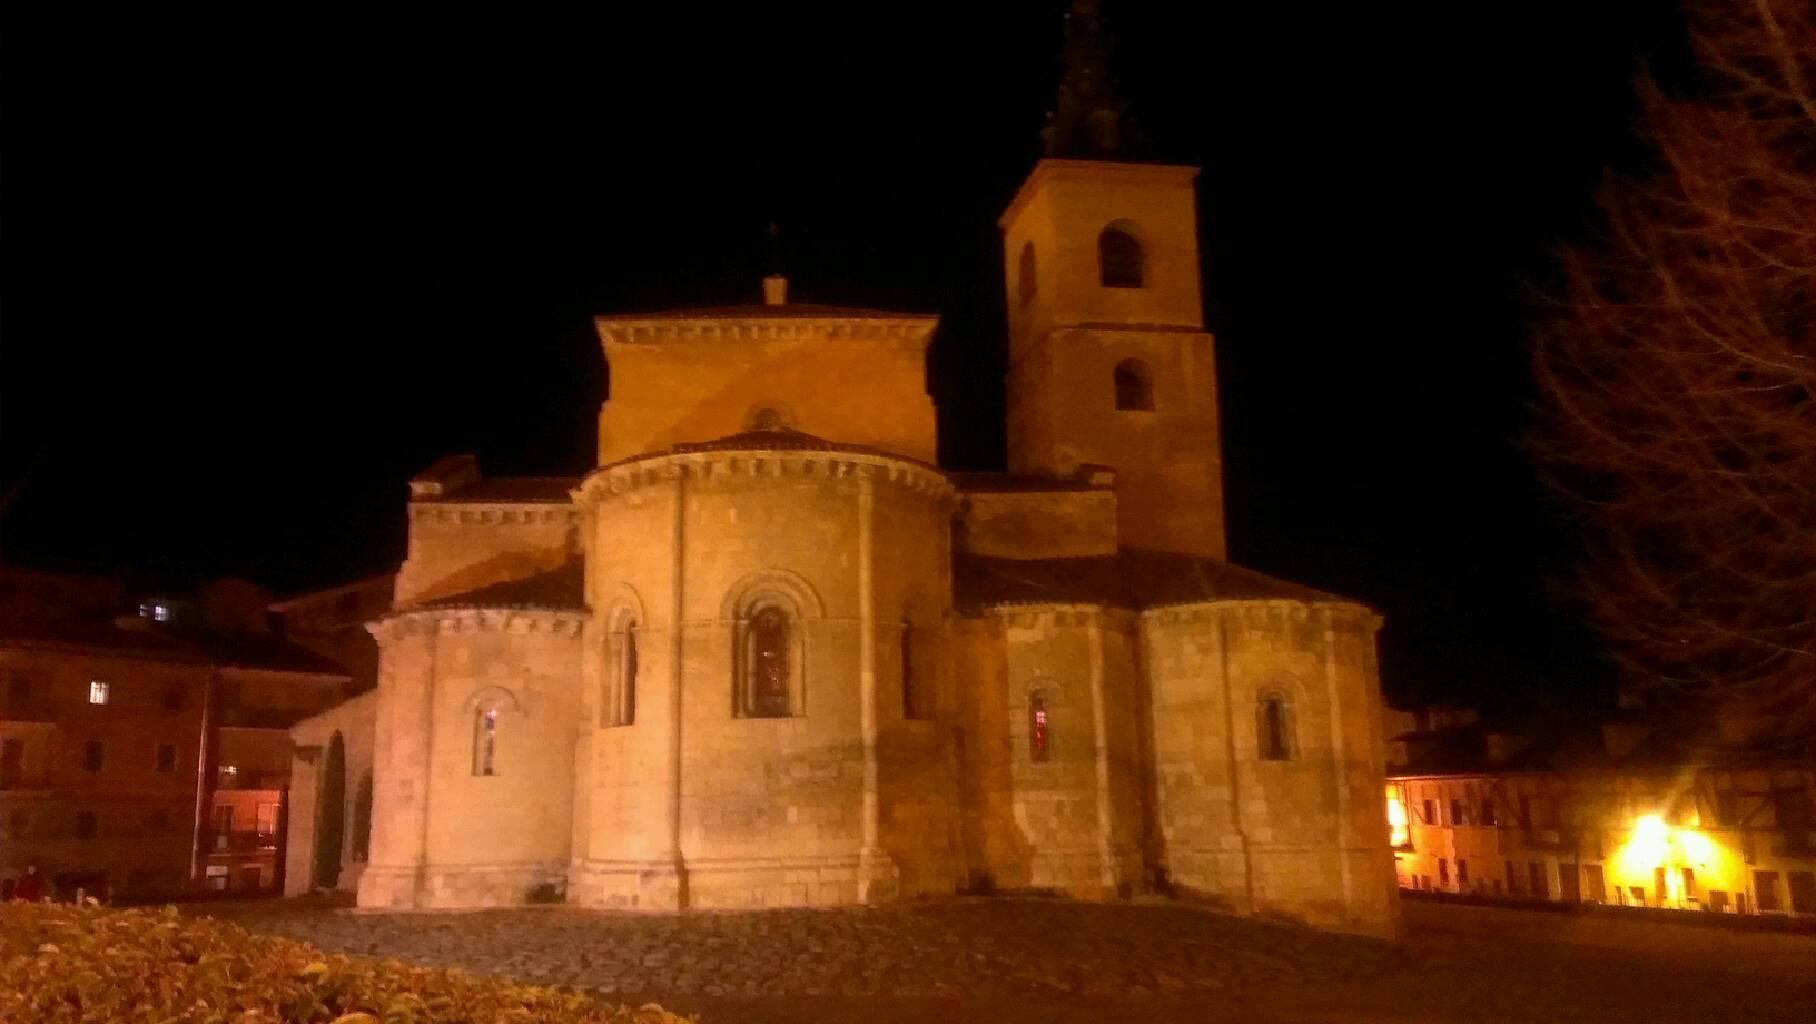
1690, 808
145, 754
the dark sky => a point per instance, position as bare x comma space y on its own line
262, 267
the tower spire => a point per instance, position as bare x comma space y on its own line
1089, 120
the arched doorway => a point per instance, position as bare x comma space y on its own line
331, 815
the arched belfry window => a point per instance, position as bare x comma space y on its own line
1274, 739
766, 664
1119, 257
1024, 274
1134, 384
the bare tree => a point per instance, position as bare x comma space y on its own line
1678, 378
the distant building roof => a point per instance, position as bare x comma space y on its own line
510, 489
146, 639
1133, 578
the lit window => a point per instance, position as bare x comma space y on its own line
157, 611
1039, 739
485, 743
766, 665
228, 777
98, 691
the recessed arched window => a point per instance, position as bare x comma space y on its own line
485, 741
618, 702
1119, 257
1024, 274
766, 664
1274, 727
1040, 736
1134, 384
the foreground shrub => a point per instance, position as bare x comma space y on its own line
61, 963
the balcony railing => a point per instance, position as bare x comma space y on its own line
238, 841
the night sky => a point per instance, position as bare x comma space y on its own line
263, 267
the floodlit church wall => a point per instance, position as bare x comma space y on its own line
1039, 524
671, 383
473, 780
456, 547
1271, 811
1060, 797
771, 806
919, 821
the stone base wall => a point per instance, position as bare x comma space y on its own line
826, 881
456, 886
627, 884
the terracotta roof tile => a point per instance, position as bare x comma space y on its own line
1133, 578
758, 311
512, 489
560, 589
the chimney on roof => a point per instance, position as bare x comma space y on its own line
775, 290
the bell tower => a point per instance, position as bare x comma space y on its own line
1109, 362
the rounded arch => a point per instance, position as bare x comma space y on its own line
1025, 282
788, 589
1121, 256
1133, 381
624, 606
492, 698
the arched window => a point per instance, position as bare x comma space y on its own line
1119, 258
1024, 274
1134, 386
1040, 738
766, 667
618, 702
1274, 728
362, 818
485, 741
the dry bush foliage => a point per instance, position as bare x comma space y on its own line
61, 963
1679, 374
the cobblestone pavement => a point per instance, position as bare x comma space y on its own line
1015, 961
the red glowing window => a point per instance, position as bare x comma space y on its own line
1038, 736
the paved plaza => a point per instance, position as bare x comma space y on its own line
1016, 961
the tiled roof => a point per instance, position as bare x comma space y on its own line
1132, 578
145, 639
510, 489
782, 440
1001, 483
784, 311
560, 589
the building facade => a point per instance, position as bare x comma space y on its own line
144, 756
1611, 820
768, 653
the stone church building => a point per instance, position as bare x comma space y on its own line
768, 653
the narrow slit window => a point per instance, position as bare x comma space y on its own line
766, 664
1274, 726
485, 745
1039, 736
628, 699
1024, 274
911, 696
